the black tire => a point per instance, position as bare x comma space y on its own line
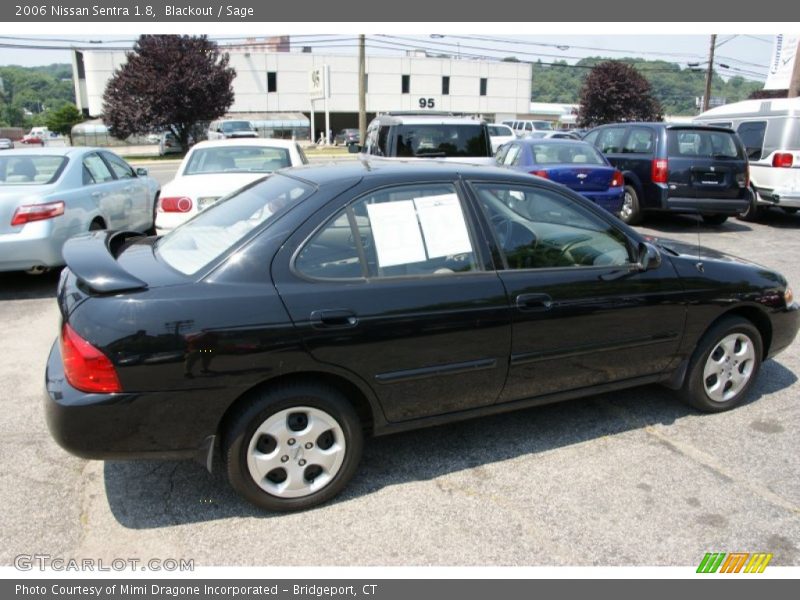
152, 229
714, 219
239, 437
631, 212
694, 391
753, 212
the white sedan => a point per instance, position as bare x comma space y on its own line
500, 134
214, 169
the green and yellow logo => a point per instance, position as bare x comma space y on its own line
734, 562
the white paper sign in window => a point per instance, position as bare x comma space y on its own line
443, 225
397, 237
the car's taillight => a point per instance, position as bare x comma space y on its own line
36, 212
86, 368
539, 173
617, 180
783, 159
743, 179
180, 204
659, 170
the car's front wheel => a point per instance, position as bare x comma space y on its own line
293, 447
724, 366
714, 219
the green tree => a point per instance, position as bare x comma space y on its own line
616, 91
62, 120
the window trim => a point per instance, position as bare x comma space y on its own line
469, 218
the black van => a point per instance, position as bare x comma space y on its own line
676, 168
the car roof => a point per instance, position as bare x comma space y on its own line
51, 150
403, 170
416, 119
265, 142
551, 141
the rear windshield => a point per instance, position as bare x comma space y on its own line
702, 143
441, 140
213, 232
237, 159
566, 153
230, 126
32, 169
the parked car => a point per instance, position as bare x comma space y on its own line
6, 144
347, 137
168, 144
523, 128
411, 135
499, 134
231, 128
770, 133
577, 165
325, 303
554, 135
213, 169
48, 195
676, 168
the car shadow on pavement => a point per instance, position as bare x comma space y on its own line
679, 223
148, 494
21, 286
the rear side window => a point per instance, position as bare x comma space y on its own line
407, 230
441, 140
752, 135
121, 169
97, 168
640, 141
702, 143
200, 241
782, 134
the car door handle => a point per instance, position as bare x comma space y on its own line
534, 302
333, 319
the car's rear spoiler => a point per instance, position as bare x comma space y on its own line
92, 258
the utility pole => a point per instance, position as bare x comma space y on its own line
794, 82
709, 73
362, 90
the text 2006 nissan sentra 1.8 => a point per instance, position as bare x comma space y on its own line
323, 304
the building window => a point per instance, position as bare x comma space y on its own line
272, 81
406, 84
445, 85
483, 86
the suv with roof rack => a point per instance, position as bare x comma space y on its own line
410, 135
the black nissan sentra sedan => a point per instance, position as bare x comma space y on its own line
321, 305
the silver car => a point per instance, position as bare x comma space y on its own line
48, 195
6, 144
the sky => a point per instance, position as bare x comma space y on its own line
742, 54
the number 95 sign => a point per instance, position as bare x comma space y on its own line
427, 103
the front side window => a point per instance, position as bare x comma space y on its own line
97, 168
406, 230
213, 232
540, 229
121, 169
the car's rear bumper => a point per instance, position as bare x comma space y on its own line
127, 425
37, 244
789, 198
718, 206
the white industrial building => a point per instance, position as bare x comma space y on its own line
275, 83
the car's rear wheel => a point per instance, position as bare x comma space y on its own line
714, 219
631, 211
293, 447
724, 366
753, 212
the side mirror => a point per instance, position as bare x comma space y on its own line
354, 148
141, 172
649, 257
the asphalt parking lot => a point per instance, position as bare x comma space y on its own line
628, 478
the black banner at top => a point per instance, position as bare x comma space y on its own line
259, 11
